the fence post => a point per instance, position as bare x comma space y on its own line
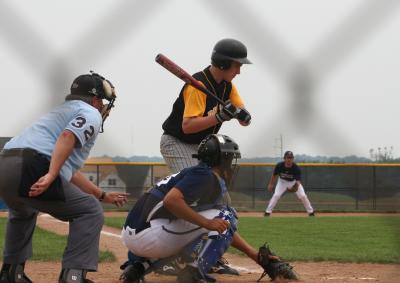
374, 187
254, 186
357, 188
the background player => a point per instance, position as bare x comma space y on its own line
39, 171
289, 179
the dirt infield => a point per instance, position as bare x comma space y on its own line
44, 272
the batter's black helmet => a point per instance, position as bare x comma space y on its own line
215, 150
93, 84
228, 50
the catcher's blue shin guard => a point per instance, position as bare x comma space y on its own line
205, 251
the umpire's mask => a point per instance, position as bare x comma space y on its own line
93, 84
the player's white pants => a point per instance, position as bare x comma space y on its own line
164, 238
281, 187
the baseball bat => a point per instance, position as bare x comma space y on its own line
185, 76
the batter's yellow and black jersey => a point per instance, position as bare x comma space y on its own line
194, 103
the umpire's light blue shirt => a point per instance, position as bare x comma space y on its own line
82, 119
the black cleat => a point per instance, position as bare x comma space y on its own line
11, 273
133, 273
311, 214
222, 267
73, 276
267, 214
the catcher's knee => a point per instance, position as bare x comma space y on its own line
208, 248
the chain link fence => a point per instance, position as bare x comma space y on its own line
330, 187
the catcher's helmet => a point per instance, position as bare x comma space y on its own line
217, 150
227, 50
93, 84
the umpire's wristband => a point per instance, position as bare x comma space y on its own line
102, 196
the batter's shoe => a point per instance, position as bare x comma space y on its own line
70, 275
222, 267
267, 214
133, 273
191, 274
311, 214
13, 273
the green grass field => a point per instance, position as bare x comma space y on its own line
343, 239
374, 239
48, 246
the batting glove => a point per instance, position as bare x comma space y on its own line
227, 112
244, 116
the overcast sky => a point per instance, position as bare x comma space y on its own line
325, 75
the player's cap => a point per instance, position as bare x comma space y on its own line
84, 85
93, 84
288, 154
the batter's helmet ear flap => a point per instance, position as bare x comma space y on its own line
220, 62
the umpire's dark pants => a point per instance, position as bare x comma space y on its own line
83, 212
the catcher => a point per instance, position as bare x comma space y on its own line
184, 217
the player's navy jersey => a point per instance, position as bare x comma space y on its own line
200, 187
82, 119
287, 173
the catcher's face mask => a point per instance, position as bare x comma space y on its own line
229, 169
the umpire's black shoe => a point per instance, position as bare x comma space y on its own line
133, 273
69, 275
13, 273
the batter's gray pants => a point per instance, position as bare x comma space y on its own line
177, 154
83, 212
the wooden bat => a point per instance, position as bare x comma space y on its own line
185, 76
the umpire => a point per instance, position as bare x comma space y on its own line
39, 172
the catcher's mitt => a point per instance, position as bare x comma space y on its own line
273, 266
